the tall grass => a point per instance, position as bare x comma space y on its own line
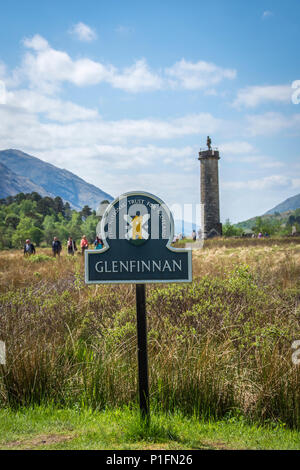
218, 346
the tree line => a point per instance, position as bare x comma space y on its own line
278, 224
41, 218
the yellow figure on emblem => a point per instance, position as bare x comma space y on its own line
137, 223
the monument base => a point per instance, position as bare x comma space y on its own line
215, 231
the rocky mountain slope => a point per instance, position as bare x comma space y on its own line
20, 172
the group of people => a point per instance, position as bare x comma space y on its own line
181, 236
29, 248
260, 235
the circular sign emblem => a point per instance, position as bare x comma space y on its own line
137, 228
137, 218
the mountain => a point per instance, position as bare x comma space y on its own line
21, 172
188, 227
290, 204
11, 184
279, 213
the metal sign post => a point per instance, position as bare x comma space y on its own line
137, 230
142, 350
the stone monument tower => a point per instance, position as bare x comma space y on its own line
209, 162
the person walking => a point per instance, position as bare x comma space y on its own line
98, 243
29, 248
56, 247
84, 244
71, 245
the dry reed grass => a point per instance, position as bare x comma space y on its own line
218, 346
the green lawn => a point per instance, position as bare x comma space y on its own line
50, 428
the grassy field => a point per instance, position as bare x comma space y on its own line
219, 350
67, 429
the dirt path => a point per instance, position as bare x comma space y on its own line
37, 441
47, 440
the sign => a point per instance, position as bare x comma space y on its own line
137, 229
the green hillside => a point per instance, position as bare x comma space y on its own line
279, 223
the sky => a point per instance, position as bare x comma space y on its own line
124, 93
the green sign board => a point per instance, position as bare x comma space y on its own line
137, 229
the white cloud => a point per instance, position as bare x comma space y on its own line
262, 184
255, 95
118, 169
115, 151
47, 68
11, 80
236, 148
53, 109
271, 123
296, 183
2, 70
261, 161
242, 152
197, 75
121, 157
136, 78
172, 187
83, 32
264, 163
20, 125
267, 14
37, 43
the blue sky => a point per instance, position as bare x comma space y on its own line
124, 93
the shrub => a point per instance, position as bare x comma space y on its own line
39, 258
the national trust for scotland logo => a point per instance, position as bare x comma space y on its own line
137, 228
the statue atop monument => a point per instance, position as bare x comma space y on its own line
208, 142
